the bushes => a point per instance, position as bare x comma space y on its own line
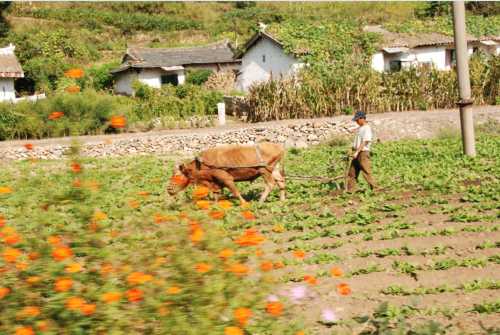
84, 113
198, 77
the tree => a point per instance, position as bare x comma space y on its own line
485, 8
4, 25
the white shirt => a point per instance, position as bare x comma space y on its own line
364, 134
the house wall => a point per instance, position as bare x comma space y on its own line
123, 82
378, 63
7, 91
254, 69
150, 77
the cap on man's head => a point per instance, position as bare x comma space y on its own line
359, 115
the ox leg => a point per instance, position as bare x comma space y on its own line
270, 182
280, 180
227, 180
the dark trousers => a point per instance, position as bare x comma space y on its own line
360, 164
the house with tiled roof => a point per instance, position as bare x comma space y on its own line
10, 70
402, 50
158, 66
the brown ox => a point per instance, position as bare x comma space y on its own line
223, 166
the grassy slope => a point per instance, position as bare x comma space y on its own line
426, 244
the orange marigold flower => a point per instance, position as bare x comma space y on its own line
242, 315
343, 289
42, 325
200, 192
56, 115
136, 278
74, 73
30, 311
226, 253
61, 253
266, 266
259, 253
173, 290
77, 183
75, 167
73, 89
300, 254
3, 292
25, 331
54, 240
88, 309
134, 295
217, 215
203, 204
336, 272
63, 284
21, 266
250, 238
74, 268
28, 146
33, 280
10, 255
300, 333
110, 297
179, 180
12, 239
196, 235
74, 303
106, 268
311, 280
162, 218
225, 204
5, 190
33, 255
233, 331
143, 193
275, 308
279, 265
99, 216
134, 204
203, 267
248, 215
238, 269
118, 121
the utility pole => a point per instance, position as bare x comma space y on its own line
465, 103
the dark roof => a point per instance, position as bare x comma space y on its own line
412, 40
159, 57
257, 37
9, 66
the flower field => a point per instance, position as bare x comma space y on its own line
95, 246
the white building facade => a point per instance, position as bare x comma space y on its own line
264, 59
10, 69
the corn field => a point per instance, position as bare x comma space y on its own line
359, 87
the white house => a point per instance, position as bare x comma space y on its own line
156, 66
263, 58
10, 69
402, 50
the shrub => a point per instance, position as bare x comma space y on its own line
198, 77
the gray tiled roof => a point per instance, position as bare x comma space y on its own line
157, 57
10, 67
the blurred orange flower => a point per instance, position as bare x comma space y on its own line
118, 121
136, 278
225, 204
74, 268
196, 235
62, 253
75, 167
179, 180
238, 269
74, 303
173, 290
12, 239
133, 204
134, 295
311, 280
226, 253
99, 216
54, 240
5, 190
77, 183
2, 221
33, 280
336, 272
343, 289
233, 331
248, 215
28, 146
74, 73
88, 309
110, 297
21, 266
217, 215
42, 325
63, 284
242, 315
203, 204
200, 192
162, 218
3, 292
259, 253
203, 267
266, 266
143, 193
56, 115
279, 265
300, 254
30, 311
10, 254
275, 308
73, 89
27, 330
250, 238
33, 255
106, 268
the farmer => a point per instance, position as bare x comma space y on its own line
361, 153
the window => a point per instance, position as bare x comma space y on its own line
263, 58
171, 79
395, 65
